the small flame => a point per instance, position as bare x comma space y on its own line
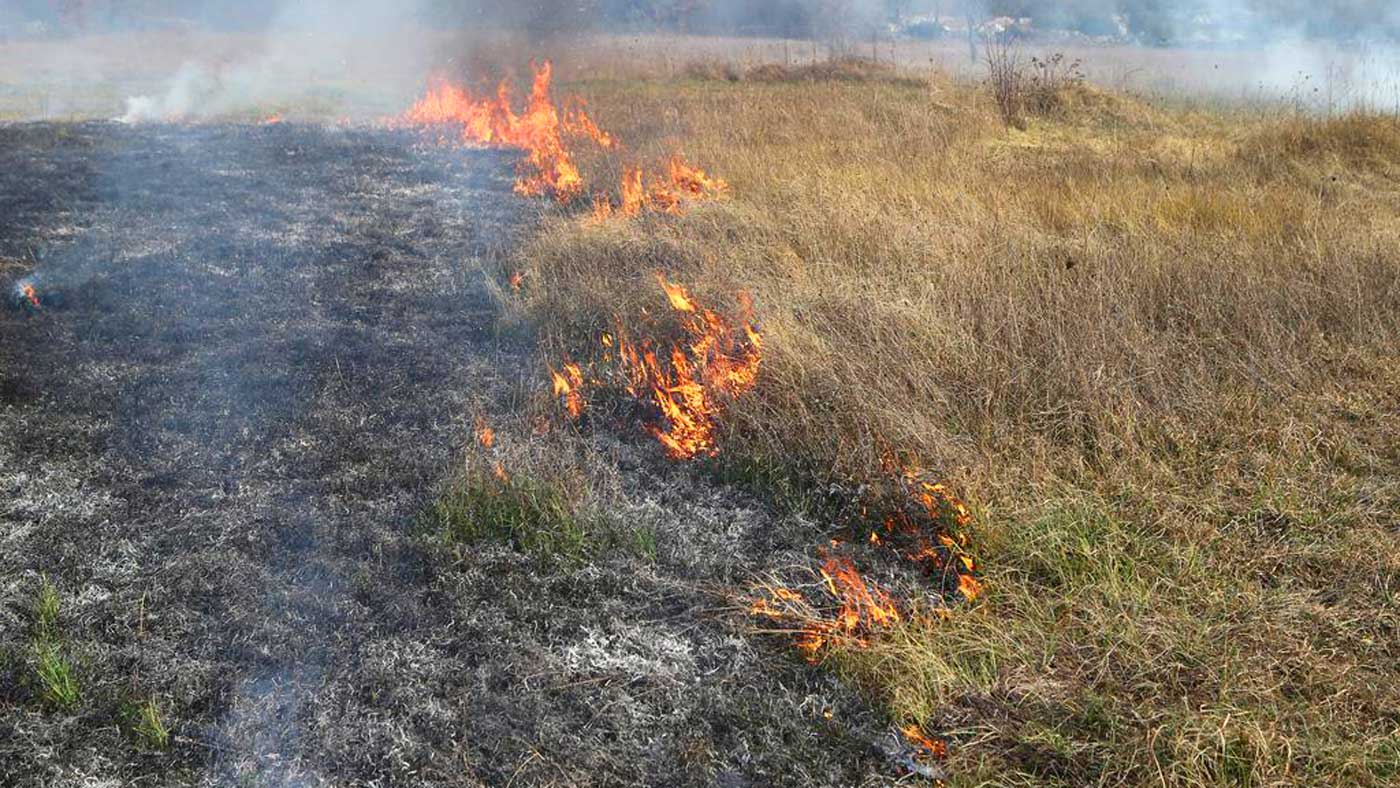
664, 194
679, 298
923, 743
568, 384
517, 279
272, 120
717, 363
484, 434
28, 291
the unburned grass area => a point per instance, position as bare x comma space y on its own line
1155, 347
537, 498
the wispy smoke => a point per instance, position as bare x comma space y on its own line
303, 57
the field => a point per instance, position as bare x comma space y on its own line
1155, 348
293, 501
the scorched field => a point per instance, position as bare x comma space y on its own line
741, 423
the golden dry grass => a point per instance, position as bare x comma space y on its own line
1158, 349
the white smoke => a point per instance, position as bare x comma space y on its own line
317, 56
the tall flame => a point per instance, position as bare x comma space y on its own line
545, 134
539, 130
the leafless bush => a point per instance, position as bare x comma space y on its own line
1032, 86
1006, 76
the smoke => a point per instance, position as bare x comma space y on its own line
318, 56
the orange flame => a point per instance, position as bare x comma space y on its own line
484, 434
666, 193
926, 746
692, 388
517, 279
539, 131
862, 608
544, 132
272, 120
31, 294
568, 384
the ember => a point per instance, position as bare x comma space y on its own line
484, 434
923, 744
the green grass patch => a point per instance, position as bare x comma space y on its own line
54, 674
145, 722
540, 515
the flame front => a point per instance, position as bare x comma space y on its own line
545, 134
539, 131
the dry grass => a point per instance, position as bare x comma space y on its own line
1157, 349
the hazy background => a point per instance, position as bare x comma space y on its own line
146, 60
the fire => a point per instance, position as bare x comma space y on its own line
28, 291
484, 434
659, 192
272, 120
540, 130
517, 279
717, 362
853, 609
546, 135
568, 384
690, 383
924, 526
692, 180
921, 742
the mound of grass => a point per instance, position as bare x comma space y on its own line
1358, 140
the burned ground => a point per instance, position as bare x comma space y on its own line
260, 354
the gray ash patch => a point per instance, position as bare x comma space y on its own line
270, 348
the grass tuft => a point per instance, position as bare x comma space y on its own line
147, 724
53, 671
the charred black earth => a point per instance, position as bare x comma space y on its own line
257, 355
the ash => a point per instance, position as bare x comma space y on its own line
270, 349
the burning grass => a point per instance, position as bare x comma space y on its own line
1155, 347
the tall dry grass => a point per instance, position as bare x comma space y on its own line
1158, 349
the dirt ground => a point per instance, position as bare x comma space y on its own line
260, 353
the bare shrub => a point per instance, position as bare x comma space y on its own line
1006, 76
1034, 86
